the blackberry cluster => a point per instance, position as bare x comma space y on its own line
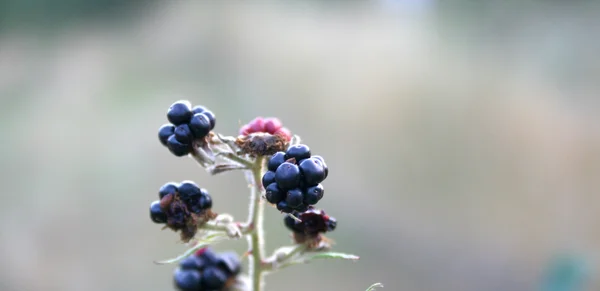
182, 207
269, 125
293, 181
187, 125
206, 271
312, 222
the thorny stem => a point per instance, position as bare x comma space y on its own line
255, 223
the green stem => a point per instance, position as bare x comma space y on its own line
255, 222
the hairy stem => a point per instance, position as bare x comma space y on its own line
255, 223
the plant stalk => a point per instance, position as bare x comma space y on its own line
255, 222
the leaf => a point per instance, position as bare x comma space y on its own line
332, 255
207, 240
376, 285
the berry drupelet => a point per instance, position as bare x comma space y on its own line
182, 207
293, 180
207, 271
313, 223
269, 125
187, 125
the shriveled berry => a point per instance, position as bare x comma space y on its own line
169, 188
257, 124
187, 280
156, 213
229, 262
213, 278
322, 163
286, 133
272, 125
331, 224
177, 148
312, 171
283, 207
313, 194
298, 152
189, 190
192, 262
273, 193
164, 132
294, 198
211, 117
268, 178
183, 133
276, 159
179, 112
199, 125
287, 176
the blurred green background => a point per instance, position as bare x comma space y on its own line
463, 137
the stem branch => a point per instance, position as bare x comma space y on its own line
255, 223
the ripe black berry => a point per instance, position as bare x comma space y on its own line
200, 125
177, 148
188, 190
313, 194
164, 132
298, 152
198, 109
323, 164
283, 207
192, 262
187, 280
273, 193
156, 213
169, 188
213, 278
229, 262
294, 198
293, 224
287, 176
277, 159
180, 112
183, 133
205, 202
211, 118
312, 171
268, 178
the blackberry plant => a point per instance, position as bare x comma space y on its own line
280, 172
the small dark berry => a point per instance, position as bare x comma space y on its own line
189, 190
198, 109
268, 178
164, 132
192, 263
213, 278
322, 163
229, 262
187, 280
199, 125
168, 188
180, 112
156, 213
312, 171
283, 207
331, 224
298, 152
273, 193
183, 133
272, 125
277, 159
313, 194
294, 198
293, 224
211, 117
177, 148
287, 176
205, 202
208, 255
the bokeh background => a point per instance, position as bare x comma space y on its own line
463, 137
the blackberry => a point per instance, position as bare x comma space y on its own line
187, 280
275, 161
283, 207
200, 125
214, 278
206, 270
156, 213
179, 112
164, 132
268, 178
313, 222
188, 190
287, 176
273, 194
312, 171
169, 188
313, 194
178, 148
298, 152
294, 198
211, 118
183, 134
323, 164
